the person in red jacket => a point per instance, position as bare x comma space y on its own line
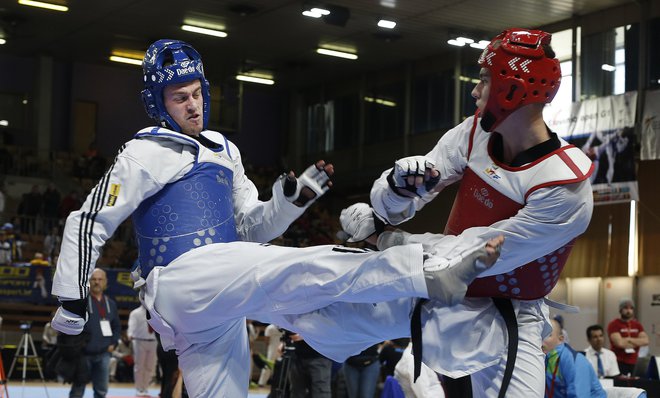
626, 336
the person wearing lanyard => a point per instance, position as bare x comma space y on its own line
568, 373
104, 331
626, 336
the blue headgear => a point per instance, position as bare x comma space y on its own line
169, 62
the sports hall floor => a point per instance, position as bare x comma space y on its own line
33, 389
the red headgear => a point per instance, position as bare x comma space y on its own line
520, 73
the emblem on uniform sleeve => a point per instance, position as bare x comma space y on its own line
113, 194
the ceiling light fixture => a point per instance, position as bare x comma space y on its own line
456, 43
3, 41
461, 41
608, 67
255, 79
203, 31
384, 23
335, 53
125, 60
481, 45
127, 56
316, 12
41, 4
380, 101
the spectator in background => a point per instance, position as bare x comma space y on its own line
10, 244
104, 330
273, 335
361, 373
52, 243
602, 360
626, 336
390, 354
5, 248
51, 203
29, 208
310, 374
560, 319
69, 203
121, 361
2, 201
568, 374
143, 342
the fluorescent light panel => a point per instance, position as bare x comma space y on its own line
316, 12
41, 4
384, 23
254, 79
203, 31
334, 53
125, 60
380, 101
456, 43
481, 45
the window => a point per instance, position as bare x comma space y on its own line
433, 102
333, 124
384, 112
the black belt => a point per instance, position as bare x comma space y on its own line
463, 384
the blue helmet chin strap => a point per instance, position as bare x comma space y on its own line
169, 62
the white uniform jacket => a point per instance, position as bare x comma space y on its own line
144, 165
549, 216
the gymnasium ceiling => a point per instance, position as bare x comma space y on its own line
273, 35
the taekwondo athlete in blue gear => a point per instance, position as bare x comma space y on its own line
185, 186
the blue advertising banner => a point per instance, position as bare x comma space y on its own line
27, 283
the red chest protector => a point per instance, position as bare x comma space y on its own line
491, 192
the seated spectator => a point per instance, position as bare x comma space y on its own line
602, 360
568, 373
51, 202
52, 243
29, 208
10, 244
69, 203
390, 354
121, 361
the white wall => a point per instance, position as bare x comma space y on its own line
598, 299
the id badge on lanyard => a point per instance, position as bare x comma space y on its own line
106, 329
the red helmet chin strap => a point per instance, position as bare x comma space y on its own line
520, 73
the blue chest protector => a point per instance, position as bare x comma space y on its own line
194, 211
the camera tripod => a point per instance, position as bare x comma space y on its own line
25, 350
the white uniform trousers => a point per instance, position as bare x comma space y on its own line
145, 358
468, 338
198, 303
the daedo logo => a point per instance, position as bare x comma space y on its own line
482, 196
185, 71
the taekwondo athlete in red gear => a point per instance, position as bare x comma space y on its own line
186, 189
517, 177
